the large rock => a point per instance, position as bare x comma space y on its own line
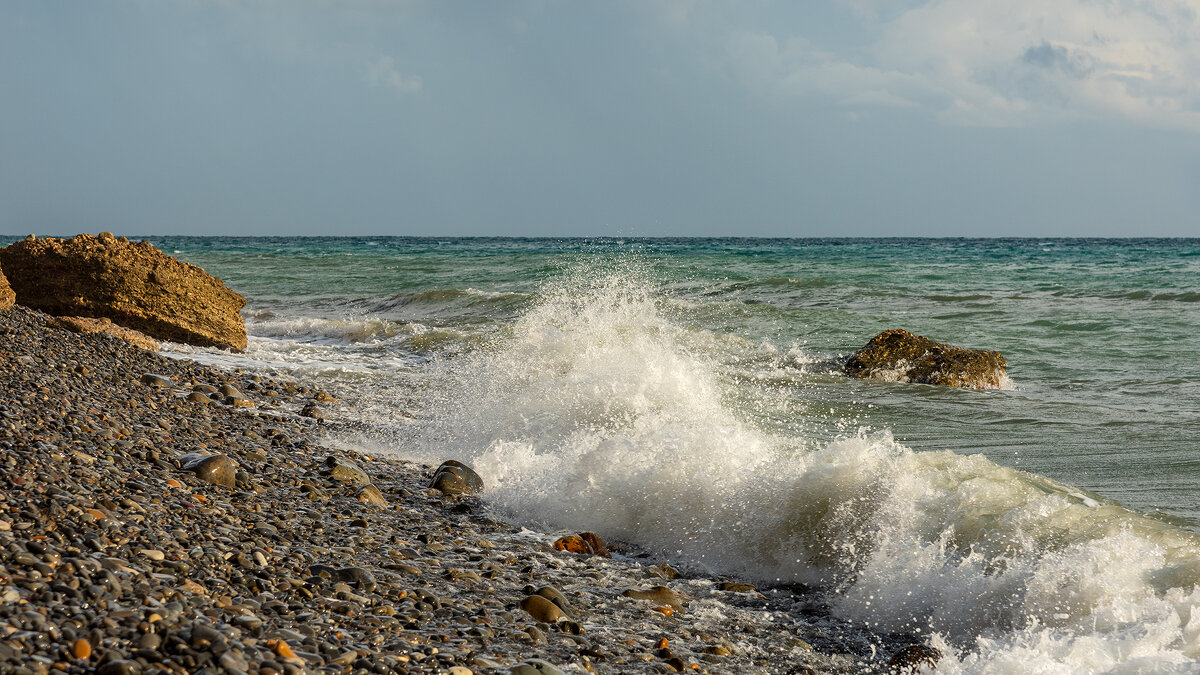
7, 297
133, 284
898, 355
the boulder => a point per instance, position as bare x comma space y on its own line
133, 284
7, 296
899, 356
82, 324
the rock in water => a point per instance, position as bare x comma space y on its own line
133, 284
541, 609
898, 355
915, 659
7, 296
588, 543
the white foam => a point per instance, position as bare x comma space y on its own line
597, 412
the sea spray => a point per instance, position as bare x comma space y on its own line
597, 410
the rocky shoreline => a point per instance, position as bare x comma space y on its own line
159, 516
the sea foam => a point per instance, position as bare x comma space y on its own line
598, 411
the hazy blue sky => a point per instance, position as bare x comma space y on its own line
835, 117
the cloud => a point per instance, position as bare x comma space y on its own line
383, 73
990, 62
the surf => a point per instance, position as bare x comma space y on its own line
600, 408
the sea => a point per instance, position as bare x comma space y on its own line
684, 396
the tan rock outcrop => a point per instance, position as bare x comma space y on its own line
133, 284
83, 324
7, 296
898, 355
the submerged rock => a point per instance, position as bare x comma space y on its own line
898, 355
659, 595
133, 284
542, 609
915, 659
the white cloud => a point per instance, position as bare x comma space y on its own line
994, 62
383, 73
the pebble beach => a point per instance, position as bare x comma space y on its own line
160, 516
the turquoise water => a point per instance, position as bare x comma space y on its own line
683, 395
1101, 336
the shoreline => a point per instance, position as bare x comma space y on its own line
136, 565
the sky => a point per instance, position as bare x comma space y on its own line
625, 118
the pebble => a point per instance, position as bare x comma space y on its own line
659, 595
216, 469
103, 544
81, 649
536, 667
455, 478
371, 495
541, 609
345, 471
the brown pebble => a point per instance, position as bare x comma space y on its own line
659, 595
571, 543
81, 649
541, 609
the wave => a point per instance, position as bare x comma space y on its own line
451, 299
315, 329
412, 337
597, 411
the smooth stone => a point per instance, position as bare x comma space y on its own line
346, 471
662, 571
371, 495
585, 543
311, 411
216, 469
357, 575
554, 595
659, 595
198, 397
153, 554
535, 667
454, 477
541, 609
119, 667
155, 380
